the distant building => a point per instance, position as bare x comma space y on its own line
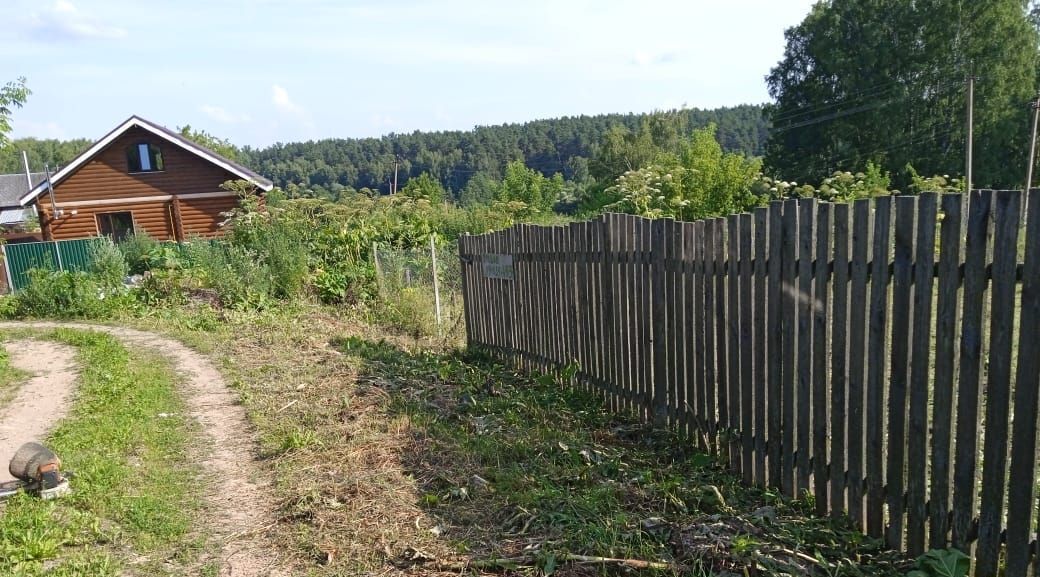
12, 188
138, 178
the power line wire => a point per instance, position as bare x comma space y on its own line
849, 98
861, 108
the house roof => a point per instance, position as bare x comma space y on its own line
14, 186
162, 132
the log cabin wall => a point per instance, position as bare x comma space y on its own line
104, 184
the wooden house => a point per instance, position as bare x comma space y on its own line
139, 178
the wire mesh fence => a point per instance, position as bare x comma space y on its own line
421, 288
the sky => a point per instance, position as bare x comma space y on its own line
263, 71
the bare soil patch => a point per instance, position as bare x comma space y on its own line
238, 511
42, 400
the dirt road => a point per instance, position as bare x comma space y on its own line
237, 512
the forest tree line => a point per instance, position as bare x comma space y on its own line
331, 168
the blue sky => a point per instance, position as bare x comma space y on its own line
264, 71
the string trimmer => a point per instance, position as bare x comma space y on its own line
37, 470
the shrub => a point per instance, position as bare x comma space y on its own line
238, 275
163, 288
136, 251
68, 294
348, 283
107, 264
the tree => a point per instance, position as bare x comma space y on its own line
221, 146
41, 151
701, 181
481, 189
529, 190
12, 95
883, 81
424, 187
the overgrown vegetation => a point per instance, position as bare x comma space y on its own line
125, 440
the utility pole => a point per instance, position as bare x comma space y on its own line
1035, 105
971, 127
396, 160
1032, 143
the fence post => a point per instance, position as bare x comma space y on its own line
57, 254
467, 297
7, 268
379, 271
436, 287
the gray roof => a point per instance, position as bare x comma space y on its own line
13, 187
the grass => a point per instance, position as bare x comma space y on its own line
397, 455
10, 379
133, 501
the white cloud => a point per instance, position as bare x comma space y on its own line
292, 112
62, 21
280, 98
220, 115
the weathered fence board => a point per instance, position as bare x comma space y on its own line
746, 348
732, 280
758, 369
788, 345
998, 384
861, 244
901, 313
970, 363
803, 300
866, 353
774, 352
701, 351
945, 360
839, 347
877, 376
1021, 495
920, 381
819, 308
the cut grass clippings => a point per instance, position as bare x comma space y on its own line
392, 456
133, 500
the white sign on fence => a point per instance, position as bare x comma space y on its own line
498, 266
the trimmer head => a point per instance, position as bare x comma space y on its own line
38, 471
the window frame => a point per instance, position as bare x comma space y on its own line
154, 153
133, 223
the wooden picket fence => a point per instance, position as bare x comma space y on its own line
881, 355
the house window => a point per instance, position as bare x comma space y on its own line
116, 225
144, 157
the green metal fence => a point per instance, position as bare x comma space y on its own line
59, 255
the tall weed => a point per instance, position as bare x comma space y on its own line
137, 250
107, 264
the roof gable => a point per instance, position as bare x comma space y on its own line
162, 132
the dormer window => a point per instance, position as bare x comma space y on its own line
144, 157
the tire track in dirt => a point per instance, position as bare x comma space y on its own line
41, 400
238, 511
